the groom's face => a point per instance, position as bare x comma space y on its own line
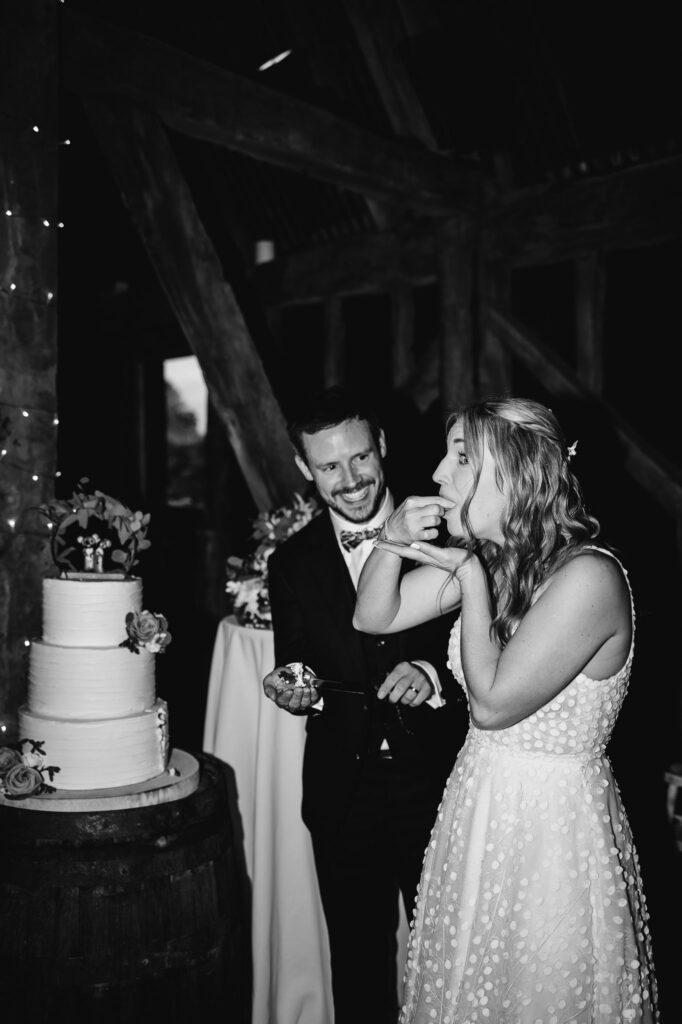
345, 464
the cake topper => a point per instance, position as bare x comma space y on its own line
88, 526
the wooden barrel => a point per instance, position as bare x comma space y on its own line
129, 915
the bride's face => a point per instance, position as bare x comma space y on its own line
455, 478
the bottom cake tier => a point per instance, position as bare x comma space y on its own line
103, 753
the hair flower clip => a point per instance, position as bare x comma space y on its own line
571, 450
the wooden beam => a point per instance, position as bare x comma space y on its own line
324, 34
590, 288
652, 470
637, 207
206, 102
360, 264
402, 335
494, 363
374, 262
379, 31
423, 386
334, 363
191, 275
456, 274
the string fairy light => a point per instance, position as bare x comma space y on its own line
32, 414
46, 221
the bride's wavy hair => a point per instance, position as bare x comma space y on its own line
546, 521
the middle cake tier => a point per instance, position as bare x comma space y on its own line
89, 682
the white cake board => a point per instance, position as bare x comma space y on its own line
159, 790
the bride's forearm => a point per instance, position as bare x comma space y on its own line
378, 597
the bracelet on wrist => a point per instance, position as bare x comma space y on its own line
383, 533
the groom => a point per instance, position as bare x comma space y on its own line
376, 761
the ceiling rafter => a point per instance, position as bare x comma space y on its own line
206, 102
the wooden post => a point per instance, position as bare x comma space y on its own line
402, 334
590, 288
334, 342
494, 364
456, 273
28, 285
191, 275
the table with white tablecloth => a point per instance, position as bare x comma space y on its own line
264, 747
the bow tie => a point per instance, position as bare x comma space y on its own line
351, 538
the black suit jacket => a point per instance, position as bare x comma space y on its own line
313, 599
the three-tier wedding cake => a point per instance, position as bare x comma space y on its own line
92, 720
91, 687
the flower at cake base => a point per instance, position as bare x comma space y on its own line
147, 631
247, 578
23, 771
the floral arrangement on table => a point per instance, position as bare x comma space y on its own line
147, 631
23, 770
247, 578
106, 525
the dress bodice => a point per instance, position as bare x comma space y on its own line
577, 722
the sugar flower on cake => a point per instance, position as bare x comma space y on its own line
87, 526
147, 631
23, 770
247, 578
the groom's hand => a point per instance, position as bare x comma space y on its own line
294, 697
408, 684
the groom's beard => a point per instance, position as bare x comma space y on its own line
365, 510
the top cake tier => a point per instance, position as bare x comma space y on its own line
89, 612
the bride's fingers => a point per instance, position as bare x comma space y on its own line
432, 499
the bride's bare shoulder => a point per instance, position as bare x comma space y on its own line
594, 569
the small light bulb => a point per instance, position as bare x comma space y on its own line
46, 223
60, 223
50, 296
8, 213
3, 727
27, 643
56, 420
3, 453
11, 523
35, 478
36, 128
274, 60
58, 473
25, 413
12, 287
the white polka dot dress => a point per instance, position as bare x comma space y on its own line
530, 908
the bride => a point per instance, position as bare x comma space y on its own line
530, 908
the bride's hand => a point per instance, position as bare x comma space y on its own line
416, 519
448, 559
